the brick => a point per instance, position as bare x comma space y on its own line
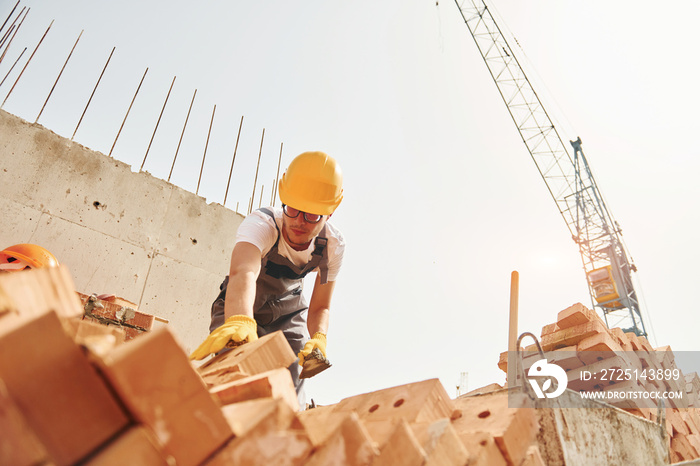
156, 383
549, 329
485, 389
276, 383
121, 312
19, 444
572, 335
597, 347
349, 445
575, 315
268, 352
415, 402
401, 448
135, 447
683, 448
694, 381
440, 442
63, 399
622, 339
606, 371
271, 435
380, 430
320, 422
506, 418
533, 457
482, 449
98, 338
38, 291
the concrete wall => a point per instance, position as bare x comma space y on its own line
119, 232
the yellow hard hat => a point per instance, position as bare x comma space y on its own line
30, 255
313, 183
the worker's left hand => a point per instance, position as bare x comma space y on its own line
317, 341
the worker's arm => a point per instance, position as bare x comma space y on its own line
242, 277
239, 326
317, 320
319, 307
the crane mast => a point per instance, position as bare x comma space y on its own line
568, 177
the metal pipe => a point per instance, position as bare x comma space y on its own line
233, 161
513, 328
211, 123
256, 171
26, 64
127, 112
182, 134
157, 123
13, 66
59, 77
93, 92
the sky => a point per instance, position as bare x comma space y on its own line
442, 200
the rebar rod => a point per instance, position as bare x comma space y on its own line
233, 161
182, 135
26, 64
256, 171
127, 112
59, 77
157, 124
10, 15
211, 123
274, 185
93, 92
13, 66
7, 47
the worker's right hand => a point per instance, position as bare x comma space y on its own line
237, 329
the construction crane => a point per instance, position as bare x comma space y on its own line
606, 262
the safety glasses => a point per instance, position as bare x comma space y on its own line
291, 212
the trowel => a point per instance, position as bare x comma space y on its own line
314, 363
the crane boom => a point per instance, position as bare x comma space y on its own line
567, 177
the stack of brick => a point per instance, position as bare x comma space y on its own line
70, 392
116, 312
580, 343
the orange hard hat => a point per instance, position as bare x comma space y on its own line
21, 256
313, 183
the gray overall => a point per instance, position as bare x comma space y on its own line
279, 302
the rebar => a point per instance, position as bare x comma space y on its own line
93, 92
276, 182
182, 135
211, 123
13, 66
7, 47
59, 77
26, 64
157, 123
233, 161
250, 208
127, 112
10, 15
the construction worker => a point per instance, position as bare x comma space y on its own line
25, 256
275, 249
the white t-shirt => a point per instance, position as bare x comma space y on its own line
258, 229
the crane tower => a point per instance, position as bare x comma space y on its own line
568, 177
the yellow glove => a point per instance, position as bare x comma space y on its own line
317, 341
238, 329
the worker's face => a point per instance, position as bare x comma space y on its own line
298, 232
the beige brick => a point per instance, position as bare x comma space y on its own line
276, 383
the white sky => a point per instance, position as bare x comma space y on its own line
442, 200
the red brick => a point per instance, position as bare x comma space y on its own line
117, 312
349, 444
320, 422
440, 442
401, 448
135, 447
63, 399
572, 335
38, 291
270, 436
19, 445
155, 381
414, 402
276, 383
514, 428
482, 449
575, 315
597, 347
269, 352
